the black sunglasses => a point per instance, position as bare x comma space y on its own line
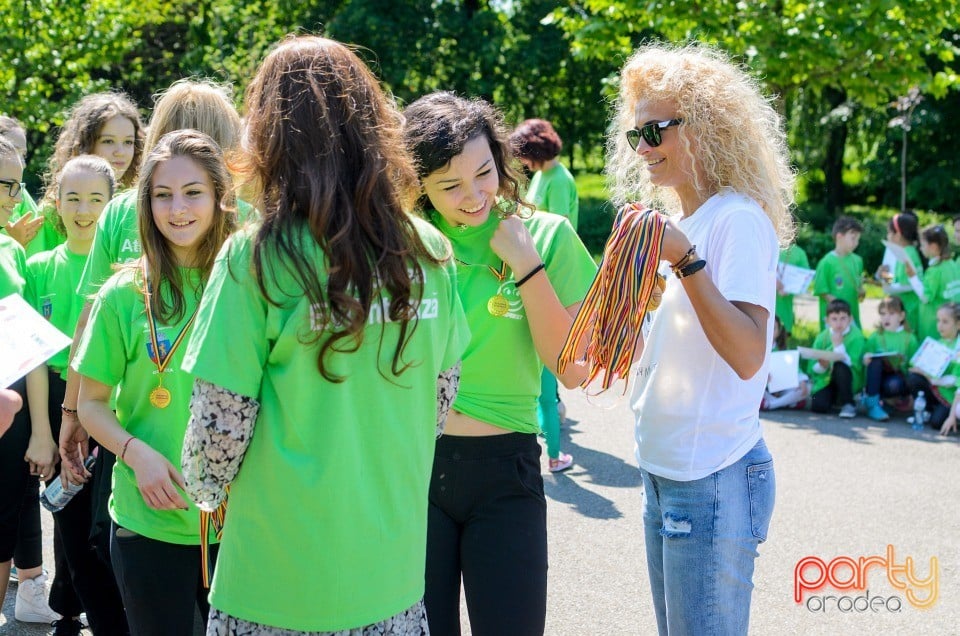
650, 133
13, 187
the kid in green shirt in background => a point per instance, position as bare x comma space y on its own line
940, 391
902, 231
792, 255
838, 373
886, 374
941, 280
840, 273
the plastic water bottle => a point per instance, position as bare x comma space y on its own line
919, 411
54, 497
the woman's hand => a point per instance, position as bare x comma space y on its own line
74, 445
156, 477
42, 456
512, 242
24, 229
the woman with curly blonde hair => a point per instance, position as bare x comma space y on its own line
696, 138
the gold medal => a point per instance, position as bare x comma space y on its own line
160, 397
498, 305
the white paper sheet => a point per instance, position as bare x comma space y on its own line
784, 370
26, 339
795, 280
932, 357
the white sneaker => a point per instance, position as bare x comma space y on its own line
32, 606
848, 411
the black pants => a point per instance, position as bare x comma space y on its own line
21, 537
82, 579
884, 380
937, 407
161, 583
488, 524
839, 390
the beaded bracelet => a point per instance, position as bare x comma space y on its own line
530, 275
689, 270
68, 411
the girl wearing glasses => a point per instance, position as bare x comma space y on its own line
25, 221
521, 278
19, 506
698, 140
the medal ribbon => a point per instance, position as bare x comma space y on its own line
501, 275
610, 319
216, 518
165, 360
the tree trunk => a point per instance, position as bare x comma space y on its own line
833, 159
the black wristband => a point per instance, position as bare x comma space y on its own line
692, 268
530, 275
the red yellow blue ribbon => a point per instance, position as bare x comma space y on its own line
608, 325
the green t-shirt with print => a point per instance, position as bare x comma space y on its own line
117, 240
500, 378
839, 276
555, 190
52, 279
116, 349
941, 284
911, 302
340, 470
854, 344
902, 342
13, 267
793, 255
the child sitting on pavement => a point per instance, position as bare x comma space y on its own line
886, 373
943, 388
836, 369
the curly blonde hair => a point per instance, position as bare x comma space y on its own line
738, 135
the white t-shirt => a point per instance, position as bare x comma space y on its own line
695, 416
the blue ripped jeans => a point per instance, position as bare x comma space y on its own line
702, 539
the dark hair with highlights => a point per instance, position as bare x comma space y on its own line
161, 263
439, 125
536, 140
322, 146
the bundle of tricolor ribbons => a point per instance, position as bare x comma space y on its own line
611, 317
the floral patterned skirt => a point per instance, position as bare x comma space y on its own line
410, 622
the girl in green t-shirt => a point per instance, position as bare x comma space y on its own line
902, 230
941, 279
139, 321
107, 125
83, 188
940, 391
321, 338
521, 278
24, 222
886, 357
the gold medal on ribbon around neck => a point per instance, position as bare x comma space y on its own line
160, 397
498, 305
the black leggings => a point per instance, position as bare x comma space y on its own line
161, 583
21, 537
840, 389
82, 579
488, 524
